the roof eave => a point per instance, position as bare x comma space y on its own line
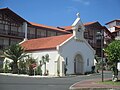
112, 21
42, 49
8, 10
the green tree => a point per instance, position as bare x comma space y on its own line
15, 52
22, 67
6, 70
113, 56
44, 60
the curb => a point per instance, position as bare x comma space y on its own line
73, 88
27, 76
91, 84
36, 76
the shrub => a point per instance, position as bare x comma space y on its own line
6, 70
31, 71
93, 69
88, 73
1, 70
39, 71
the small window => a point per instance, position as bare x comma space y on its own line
66, 61
88, 62
79, 29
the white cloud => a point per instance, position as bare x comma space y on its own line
84, 2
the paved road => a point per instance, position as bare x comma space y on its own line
28, 83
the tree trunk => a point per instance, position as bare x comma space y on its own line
45, 69
15, 68
115, 73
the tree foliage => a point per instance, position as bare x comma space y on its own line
44, 60
30, 64
113, 55
15, 52
113, 51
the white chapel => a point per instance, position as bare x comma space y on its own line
69, 51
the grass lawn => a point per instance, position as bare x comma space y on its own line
110, 82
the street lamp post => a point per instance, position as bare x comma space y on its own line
101, 34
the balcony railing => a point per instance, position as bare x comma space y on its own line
12, 33
88, 37
30, 36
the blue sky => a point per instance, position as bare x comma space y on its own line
63, 12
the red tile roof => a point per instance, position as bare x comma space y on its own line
113, 21
48, 27
116, 31
90, 23
118, 27
44, 43
68, 28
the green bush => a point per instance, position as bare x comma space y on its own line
39, 71
22, 67
31, 71
6, 69
1, 70
93, 69
22, 71
11, 66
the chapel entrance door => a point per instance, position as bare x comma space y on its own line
78, 64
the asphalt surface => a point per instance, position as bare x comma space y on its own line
35, 83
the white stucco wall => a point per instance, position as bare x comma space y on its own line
112, 24
112, 29
67, 50
118, 66
53, 54
70, 49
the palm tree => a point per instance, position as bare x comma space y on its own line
44, 60
15, 52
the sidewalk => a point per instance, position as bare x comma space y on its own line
37, 76
87, 84
23, 75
